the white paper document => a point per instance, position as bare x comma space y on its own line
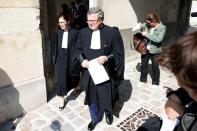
167, 124
136, 29
97, 72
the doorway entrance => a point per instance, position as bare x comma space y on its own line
49, 22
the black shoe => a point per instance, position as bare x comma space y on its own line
109, 119
143, 80
62, 108
155, 83
92, 125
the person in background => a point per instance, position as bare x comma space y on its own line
180, 58
73, 10
154, 31
64, 45
103, 43
81, 15
64, 9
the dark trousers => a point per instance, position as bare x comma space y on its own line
144, 68
95, 113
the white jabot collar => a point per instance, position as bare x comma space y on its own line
96, 40
65, 40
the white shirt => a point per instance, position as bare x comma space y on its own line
96, 40
65, 40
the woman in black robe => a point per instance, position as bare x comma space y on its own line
64, 46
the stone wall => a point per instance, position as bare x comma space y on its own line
22, 82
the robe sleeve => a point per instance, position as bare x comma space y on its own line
79, 51
118, 54
74, 45
74, 64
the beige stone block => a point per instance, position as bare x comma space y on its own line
19, 3
14, 20
21, 57
127, 12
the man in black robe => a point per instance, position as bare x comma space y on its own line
103, 43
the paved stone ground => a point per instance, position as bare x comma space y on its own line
134, 97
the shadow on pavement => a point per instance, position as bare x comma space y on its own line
138, 68
74, 94
125, 90
10, 108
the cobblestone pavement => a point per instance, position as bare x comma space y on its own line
75, 117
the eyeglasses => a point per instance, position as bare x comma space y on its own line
62, 22
92, 21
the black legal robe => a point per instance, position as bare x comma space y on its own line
105, 94
67, 73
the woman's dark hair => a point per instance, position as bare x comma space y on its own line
153, 17
181, 59
65, 12
67, 17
